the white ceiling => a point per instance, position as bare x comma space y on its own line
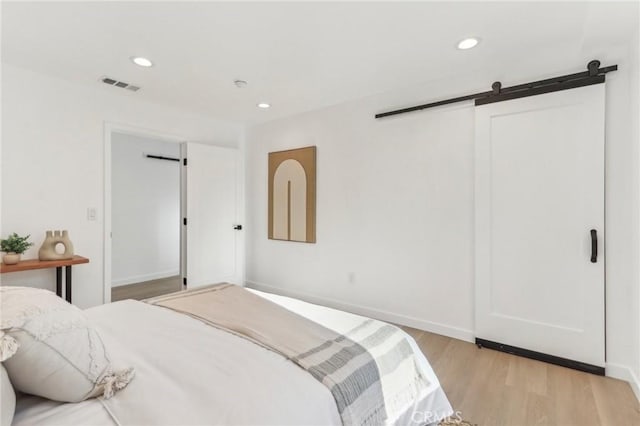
297, 56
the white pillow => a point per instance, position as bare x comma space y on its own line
8, 396
50, 350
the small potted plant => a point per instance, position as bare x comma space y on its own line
14, 246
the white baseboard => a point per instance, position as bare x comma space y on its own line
144, 277
623, 372
433, 327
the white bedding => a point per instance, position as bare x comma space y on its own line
194, 374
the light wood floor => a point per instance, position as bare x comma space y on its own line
492, 388
146, 289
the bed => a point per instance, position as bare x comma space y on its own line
188, 372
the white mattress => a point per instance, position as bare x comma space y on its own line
191, 373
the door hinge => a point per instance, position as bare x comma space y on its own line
184, 161
184, 221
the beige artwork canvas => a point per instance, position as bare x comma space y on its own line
292, 195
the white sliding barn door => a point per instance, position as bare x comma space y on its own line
539, 193
212, 213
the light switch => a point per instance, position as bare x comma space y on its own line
91, 213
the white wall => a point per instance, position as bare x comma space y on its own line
145, 206
395, 205
622, 218
53, 163
634, 70
394, 211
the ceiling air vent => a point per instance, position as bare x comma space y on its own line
121, 84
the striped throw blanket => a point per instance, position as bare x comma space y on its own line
370, 370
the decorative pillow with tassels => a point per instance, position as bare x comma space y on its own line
49, 348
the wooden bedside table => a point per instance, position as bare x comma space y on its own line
33, 264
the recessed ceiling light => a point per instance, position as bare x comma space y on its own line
142, 62
264, 105
468, 43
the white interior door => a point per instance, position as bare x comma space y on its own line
212, 213
539, 193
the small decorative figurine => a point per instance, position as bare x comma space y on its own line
48, 249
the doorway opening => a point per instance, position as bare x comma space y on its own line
146, 212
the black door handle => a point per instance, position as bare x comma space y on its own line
594, 246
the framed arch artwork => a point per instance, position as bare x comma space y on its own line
292, 195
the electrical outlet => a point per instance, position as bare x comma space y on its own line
91, 213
